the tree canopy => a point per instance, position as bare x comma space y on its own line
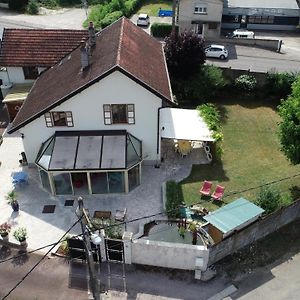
184, 53
289, 127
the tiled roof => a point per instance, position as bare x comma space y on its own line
121, 46
37, 47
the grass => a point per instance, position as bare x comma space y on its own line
251, 156
151, 7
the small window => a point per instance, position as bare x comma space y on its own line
30, 72
200, 9
118, 114
59, 118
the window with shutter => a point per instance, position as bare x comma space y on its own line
48, 120
130, 114
107, 114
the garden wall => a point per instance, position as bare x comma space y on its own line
168, 255
254, 232
232, 74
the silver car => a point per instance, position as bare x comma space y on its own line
143, 20
217, 51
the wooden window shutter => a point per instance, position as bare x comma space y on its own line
69, 119
107, 114
48, 119
130, 114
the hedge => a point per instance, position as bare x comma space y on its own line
17, 4
173, 202
161, 29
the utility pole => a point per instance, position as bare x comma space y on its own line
173, 16
93, 280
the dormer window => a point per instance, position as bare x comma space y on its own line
59, 118
118, 114
200, 9
30, 72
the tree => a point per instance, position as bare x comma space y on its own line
184, 53
289, 127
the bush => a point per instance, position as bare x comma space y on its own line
110, 18
18, 5
20, 234
270, 199
201, 87
279, 85
245, 83
32, 7
161, 29
173, 202
49, 3
69, 2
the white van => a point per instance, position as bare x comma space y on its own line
240, 33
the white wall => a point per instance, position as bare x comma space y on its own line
87, 110
187, 15
16, 74
168, 255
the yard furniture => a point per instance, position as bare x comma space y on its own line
206, 187
120, 215
19, 177
218, 193
184, 147
102, 214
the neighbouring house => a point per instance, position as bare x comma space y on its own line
261, 15
231, 217
26, 53
201, 16
90, 120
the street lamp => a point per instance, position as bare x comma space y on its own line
87, 237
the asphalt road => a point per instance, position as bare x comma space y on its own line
57, 279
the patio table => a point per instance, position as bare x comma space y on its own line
20, 177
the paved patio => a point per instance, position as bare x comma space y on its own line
43, 229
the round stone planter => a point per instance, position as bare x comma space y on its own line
5, 237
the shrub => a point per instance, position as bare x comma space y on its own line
245, 83
110, 18
279, 85
201, 87
270, 199
173, 202
32, 7
161, 29
211, 116
69, 2
49, 3
18, 5
20, 234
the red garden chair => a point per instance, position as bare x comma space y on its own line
205, 190
218, 193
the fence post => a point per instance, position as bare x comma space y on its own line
127, 240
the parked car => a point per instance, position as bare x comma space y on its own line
217, 51
242, 33
143, 20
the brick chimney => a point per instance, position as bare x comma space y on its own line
92, 35
84, 55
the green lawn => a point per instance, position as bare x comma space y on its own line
151, 7
251, 156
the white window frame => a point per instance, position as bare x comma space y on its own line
200, 9
50, 122
107, 114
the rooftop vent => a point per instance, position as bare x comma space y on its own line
84, 55
92, 35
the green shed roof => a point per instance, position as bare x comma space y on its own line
233, 215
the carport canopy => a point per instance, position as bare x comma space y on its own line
184, 124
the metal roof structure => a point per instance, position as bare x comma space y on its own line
184, 124
268, 4
89, 150
234, 215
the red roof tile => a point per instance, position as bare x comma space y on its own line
121, 46
37, 47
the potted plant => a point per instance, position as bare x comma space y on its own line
20, 234
5, 230
11, 198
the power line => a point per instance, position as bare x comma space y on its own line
40, 260
155, 215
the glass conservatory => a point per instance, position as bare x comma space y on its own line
90, 162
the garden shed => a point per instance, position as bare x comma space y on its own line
231, 217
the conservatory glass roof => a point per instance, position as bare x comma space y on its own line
89, 150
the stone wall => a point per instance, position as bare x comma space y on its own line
254, 232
